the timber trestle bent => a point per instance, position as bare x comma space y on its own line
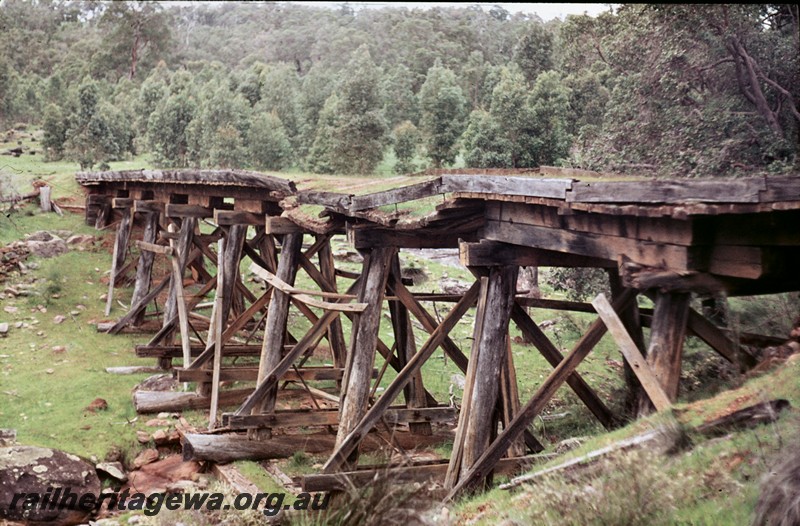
222, 256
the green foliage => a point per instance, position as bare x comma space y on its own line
54, 129
399, 100
98, 132
358, 135
550, 110
167, 131
406, 140
442, 105
321, 154
533, 52
215, 137
632, 489
579, 284
267, 142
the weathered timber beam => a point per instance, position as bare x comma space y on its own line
484, 465
275, 329
550, 352
496, 184
168, 401
492, 253
631, 353
235, 217
282, 225
665, 349
180, 211
586, 244
174, 351
488, 354
250, 374
364, 341
330, 417
365, 238
372, 417
148, 206
121, 202
399, 474
270, 379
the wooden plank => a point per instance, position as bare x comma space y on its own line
175, 351
396, 195
148, 206
667, 332
275, 327
709, 191
305, 295
631, 353
554, 357
154, 248
282, 225
218, 319
181, 211
406, 347
372, 417
489, 184
363, 342
491, 253
118, 255
144, 268
168, 401
669, 230
327, 199
327, 268
718, 340
250, 373
364, 238
235, 217
271, 378
330, 417
122, 202
487, 356
400, 474
484, 465
593, 245
199, 178
181, 251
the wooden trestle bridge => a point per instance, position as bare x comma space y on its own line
665, 239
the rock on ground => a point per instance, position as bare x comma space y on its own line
28, 469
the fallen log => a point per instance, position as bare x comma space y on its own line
228, 447
169, 401
746, 418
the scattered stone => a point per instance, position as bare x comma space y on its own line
156, 476
11, 291
10, 309
59, 349
49, 371
113, 470
3, 330
74, 313
98, 404
157, 422
148, 456
162, 438
168, 415
8, 437
80, 239
59, 319
27, 469
47, 249
143, 437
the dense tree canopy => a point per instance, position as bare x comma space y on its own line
666, 89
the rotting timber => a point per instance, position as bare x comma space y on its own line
667, 240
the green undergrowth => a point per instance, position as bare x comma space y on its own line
712, 481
